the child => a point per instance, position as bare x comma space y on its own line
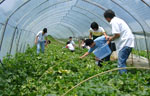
48, 42
71, 41
70, 46
82, 43
96, 31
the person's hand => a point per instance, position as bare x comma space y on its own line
107, 37
108, 42
97, 59
35, 42
46, 45
81, 57
110, 38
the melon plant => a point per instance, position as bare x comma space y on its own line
58, 70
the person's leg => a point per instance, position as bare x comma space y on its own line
122, 57
100, 63
38, 47
107, 58
42, 46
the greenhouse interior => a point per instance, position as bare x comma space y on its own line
43, 44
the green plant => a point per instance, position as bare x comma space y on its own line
58, 70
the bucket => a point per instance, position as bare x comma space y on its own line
102, 52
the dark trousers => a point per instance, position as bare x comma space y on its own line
104, 59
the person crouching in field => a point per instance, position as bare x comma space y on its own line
97, 45
70, 46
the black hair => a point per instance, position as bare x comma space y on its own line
88, 42
94, 25
45, 30
68, 42
70, 37
82, 39
48, 41
109, 14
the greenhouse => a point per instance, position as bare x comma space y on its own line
26, 71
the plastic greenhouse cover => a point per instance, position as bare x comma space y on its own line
44, 13
6, 42
34, 3
124, 15
139, 10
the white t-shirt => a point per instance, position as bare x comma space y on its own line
83, 44
98, 32
72, 42
70, 47
126, 37
41, 37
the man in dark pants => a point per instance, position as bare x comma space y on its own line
96, 47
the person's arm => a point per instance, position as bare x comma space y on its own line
105, 35
36, 39
46, 41
87, 53
113, 37
115, 31
73, 43
66, 46
90, 35
79, 43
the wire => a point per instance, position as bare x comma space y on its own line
102, 74
2, 1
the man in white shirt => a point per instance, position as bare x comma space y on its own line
40, 40
123, 37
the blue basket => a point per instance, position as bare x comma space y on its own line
102, 52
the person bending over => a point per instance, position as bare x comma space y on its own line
95, 45
39, 40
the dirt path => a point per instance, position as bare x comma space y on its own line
133, 60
